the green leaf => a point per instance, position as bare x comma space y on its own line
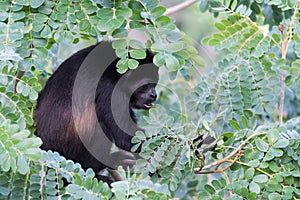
235, 125
135, 44
205, 41
227, 3
209, 189
123, 13
122, 66
174, 47
198, 60
106, 24
275, 152
105, 13
33, 95
18, 16
159, 59
216, 184
281, 143
84, 25
174, 36
254, 187
119, 44
219, 9
274, 167
145, 15
132, 64
136, 25
122, 53
120, 33
59, 36
135, 147
213, 42
40, 64
26, 90
141, 135
273, 136
244, 122
36, 3
220, 26
233, 5
37, 42
171, 62
20, 87
249, 173
22, 2
274, 196
22, 164
46, 32
261, 145
261, 178
137, 53
163, 21
158, 11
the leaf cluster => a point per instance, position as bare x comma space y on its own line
267, 12
269, 167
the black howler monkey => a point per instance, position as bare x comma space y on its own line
86, 105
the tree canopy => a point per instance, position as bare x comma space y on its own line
249, 100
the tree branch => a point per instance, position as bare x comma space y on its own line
284, 49
179, 7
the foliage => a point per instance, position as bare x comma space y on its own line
268, 166
140, 189
16, 146
249, 100
46, 181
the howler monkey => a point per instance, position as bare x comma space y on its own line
86, 106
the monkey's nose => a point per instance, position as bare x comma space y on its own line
153, 94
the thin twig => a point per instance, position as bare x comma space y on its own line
231, 162
179, 7
281, 104
282, 77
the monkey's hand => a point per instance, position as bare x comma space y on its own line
124, 159
201, 145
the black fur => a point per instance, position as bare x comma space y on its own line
62, 129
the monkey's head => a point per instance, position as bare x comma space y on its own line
144, 96
143, 81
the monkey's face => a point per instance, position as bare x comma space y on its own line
141, 83
144, 96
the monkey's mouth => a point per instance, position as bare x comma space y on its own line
148, 105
